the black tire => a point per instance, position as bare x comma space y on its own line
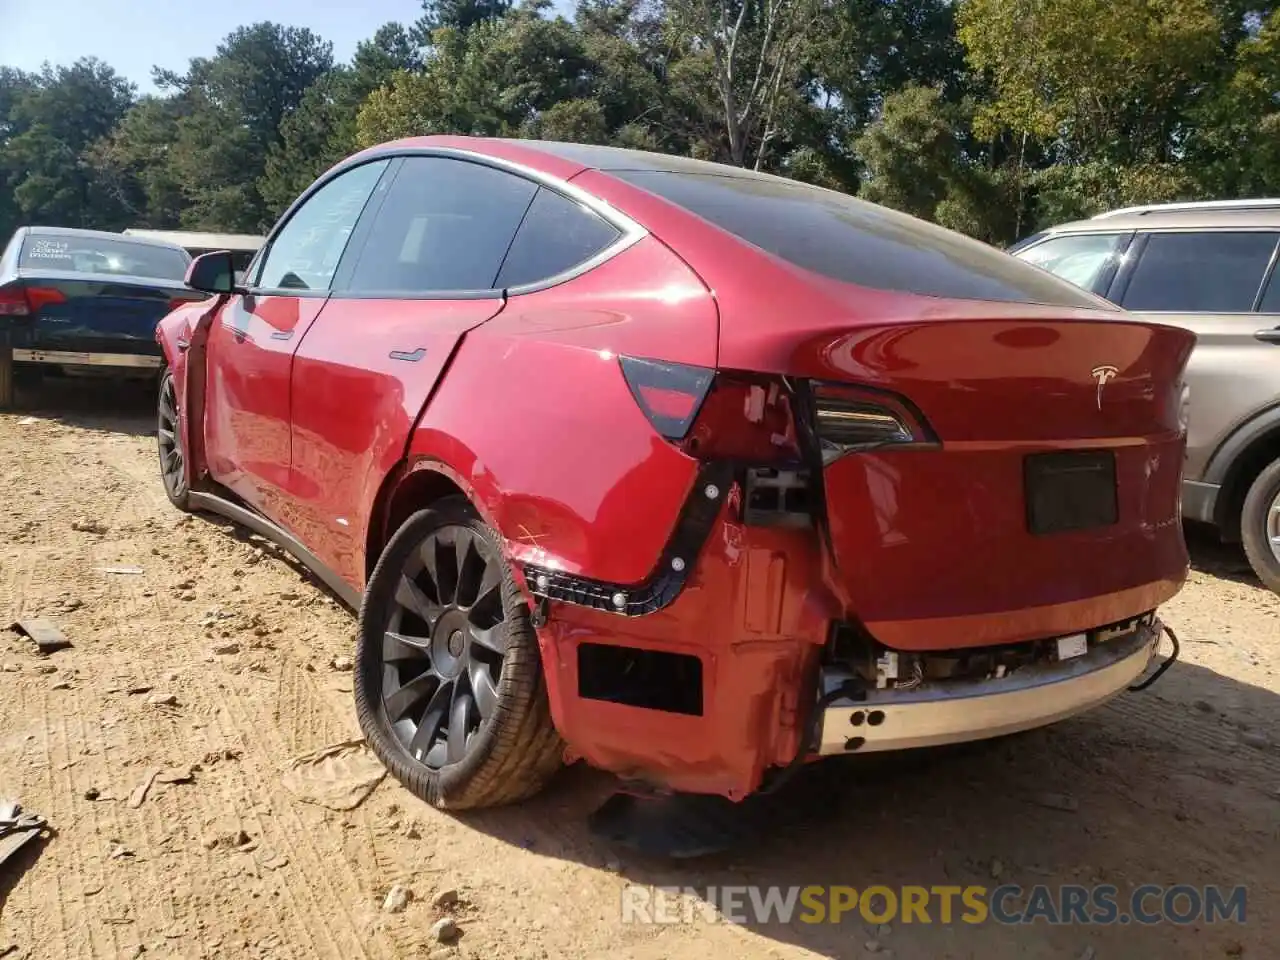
515, 749
169, 444
1260, 522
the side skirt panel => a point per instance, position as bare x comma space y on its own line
212, 503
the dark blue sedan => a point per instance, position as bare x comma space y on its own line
85, 300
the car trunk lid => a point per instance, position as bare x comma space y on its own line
1035, 490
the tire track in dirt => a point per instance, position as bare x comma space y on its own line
58, 805
303, 852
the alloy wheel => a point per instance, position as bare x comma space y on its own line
1273, 526
443, 646
169, 438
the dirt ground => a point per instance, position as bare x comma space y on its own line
222, 660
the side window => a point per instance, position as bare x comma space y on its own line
444, 225
1087, 260
1210, 272
306, 251
1271, 299
556, 235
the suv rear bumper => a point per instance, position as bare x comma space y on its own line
962, 710
1199, 500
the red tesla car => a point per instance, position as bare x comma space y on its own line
691, 472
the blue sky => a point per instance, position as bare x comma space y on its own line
134, 35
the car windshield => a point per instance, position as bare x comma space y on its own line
83, 254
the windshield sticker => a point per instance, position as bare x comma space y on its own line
50, 249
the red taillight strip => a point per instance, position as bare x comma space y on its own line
669, 394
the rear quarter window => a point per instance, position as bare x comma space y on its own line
1207, 272
846, 239
555, 236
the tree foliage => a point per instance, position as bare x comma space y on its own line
993, 117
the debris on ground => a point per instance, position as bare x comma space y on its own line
341, 664
447, 897
139, 795
163, 700
122, 571
17, 828
398, 898
445, 930
48, 638
339, 776
1058, 801
270, 860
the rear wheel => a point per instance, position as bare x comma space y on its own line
449, 687
1260, 526
169, 443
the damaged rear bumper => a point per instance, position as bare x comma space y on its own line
954, 711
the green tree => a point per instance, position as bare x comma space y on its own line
322, 130
133, 164
760, 51
235, 103
53, 121
1236, 152
1096, 79
461, 15
494, 79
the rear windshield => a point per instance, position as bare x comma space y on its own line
102, 255
847, 239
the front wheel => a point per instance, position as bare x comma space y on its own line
1260, 526
449, 687
169, 443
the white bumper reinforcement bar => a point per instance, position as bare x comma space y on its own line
73, 358
953, 711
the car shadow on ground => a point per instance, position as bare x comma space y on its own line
1148, 789
1210, 555
101, 403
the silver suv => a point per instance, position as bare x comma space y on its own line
1211, 269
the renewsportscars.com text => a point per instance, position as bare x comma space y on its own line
1103, 904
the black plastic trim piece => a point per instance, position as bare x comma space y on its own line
663, 585
212, 503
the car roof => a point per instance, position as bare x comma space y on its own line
1256, 214
101, 235
567, 159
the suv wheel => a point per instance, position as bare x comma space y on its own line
1260, 526
169, 442
449, 687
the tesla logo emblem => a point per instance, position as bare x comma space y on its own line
1102, 376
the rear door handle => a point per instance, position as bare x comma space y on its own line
1271, 335
183, 344
282, 335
